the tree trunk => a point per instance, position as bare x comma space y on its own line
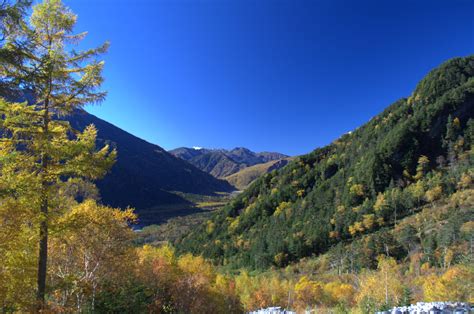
43, 232
386, 287
43, 255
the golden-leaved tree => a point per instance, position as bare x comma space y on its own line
39, 150
381, 288
91, 250
454, 284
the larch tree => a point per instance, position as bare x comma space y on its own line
39, 59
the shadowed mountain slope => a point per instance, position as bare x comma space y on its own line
145, 174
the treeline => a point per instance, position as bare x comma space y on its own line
417, 151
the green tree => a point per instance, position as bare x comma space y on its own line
452, 130
422, 167
60, 80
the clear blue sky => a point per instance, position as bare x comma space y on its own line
270, 75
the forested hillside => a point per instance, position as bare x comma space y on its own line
416, 152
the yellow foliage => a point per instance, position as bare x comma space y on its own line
282, 208
189, 281
165, 254
463, 198
234, 224
468, 228
210, 226
380, 221
249, 208
465, 181
94, 245
434, 193
357, 189
368, 221
355, 228
280, 259
380, 202
456, 123
455, 284
338, 293
261, 291
417, 190
383, 286
426, 268
307, 292
17, 257
407, 174
352, 230
422, 168
196, 265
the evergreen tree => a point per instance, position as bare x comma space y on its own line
38, 57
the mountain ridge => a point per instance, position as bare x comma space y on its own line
222, 162
243, 178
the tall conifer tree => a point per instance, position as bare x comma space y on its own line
39, 57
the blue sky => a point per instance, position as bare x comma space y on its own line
270, 75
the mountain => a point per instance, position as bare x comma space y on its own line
216, 163
246, 176
416, 153
145, 175
220, 162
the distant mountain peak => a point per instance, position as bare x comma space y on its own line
224, 162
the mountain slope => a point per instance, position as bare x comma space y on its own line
145, 174
246, 176
417, 151
220, 162
216, 163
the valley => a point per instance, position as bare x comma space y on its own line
94, 219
